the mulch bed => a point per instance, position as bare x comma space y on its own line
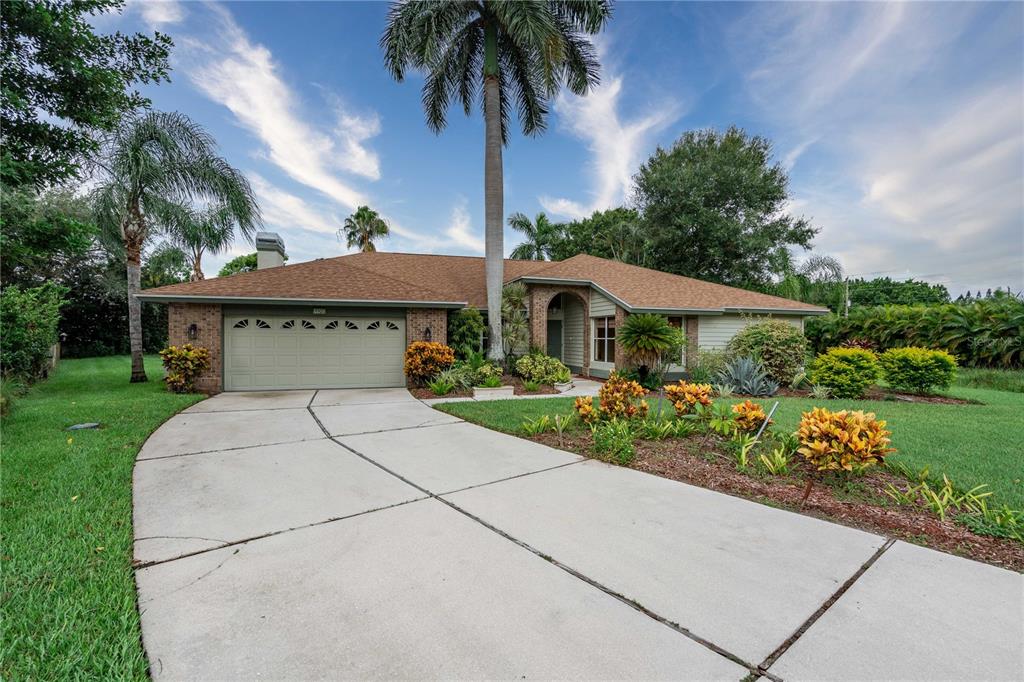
545, 389
861, 505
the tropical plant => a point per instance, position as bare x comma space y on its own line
507, 54
465, 331
647, 338
584, 406
425, 359
28, 329
362, 229
615, 439
487, 374
917, 370
658, 429
531, 386
748, 377
819, 392
562, 424
200, 231
563, 376
842, 441
149, 167
541, 369
514, 322
776, 462
685, 396
459, 376
743, 443
749, 416
620, 398
490, 382
818, 280
724, 390
539, 236
440, 386
845, 372
721, 420
184, 364
535, 427
778, 345
706, 367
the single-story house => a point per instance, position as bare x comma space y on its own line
345, 322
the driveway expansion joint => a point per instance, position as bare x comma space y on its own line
367, 433
554, 562
240, 447
806, 625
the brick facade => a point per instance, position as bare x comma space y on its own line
418, 320
207, 319
692, 349
540, 296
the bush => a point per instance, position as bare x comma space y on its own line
619, 398
614, 439
465, 330
684, 396
846, 372
779, 346
487, 375
542, 369
649, 340
707, 365
28, 329
842, 441
748, 376
440, 386
749, 416
917, 369
184, 364
424, 359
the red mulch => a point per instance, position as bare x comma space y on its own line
862, 506
544, 389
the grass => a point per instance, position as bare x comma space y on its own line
995, 379
67, 589
972, 444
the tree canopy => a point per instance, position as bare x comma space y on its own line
245, 263
616, 233
363, 228
713, 207
63, 84
885, 291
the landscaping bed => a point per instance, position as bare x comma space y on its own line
516, 382
68, 589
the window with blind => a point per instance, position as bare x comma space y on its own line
604, 339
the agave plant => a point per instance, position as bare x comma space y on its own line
748, 377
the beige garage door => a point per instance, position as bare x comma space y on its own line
292, 351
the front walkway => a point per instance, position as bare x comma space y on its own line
362, 534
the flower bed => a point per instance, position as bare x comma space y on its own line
506, 380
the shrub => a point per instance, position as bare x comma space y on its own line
28, 329
531, 386
684, 396
917, 369
748, 376
584, 406
621, 398
842, 441
488, 375
650, 342
708, 364
779, 346
542, 369
749, 416
424, 359
490, 382
846, 372
465, 330
459, 376
440, 385
184, 364
615, 438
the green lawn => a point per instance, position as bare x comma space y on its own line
68, 592
972, 444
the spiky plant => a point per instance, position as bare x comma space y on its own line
504, 53
150, 166
540, 235
647, 338
362, 228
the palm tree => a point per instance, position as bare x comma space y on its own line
149, 167
195, 232
539, 236
362, 227
508, 54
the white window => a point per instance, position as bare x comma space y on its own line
604, 339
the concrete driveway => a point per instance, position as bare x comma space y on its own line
361, 534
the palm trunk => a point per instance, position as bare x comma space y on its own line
133, 257
494, 208
197, 265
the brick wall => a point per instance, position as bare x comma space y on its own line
207, 318
540, 297
418, 320
692, 349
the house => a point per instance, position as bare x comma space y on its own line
346, 321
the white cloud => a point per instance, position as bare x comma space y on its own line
284, 211
461, 233
245, 78
160, 13
616, 145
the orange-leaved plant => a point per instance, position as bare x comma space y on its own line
621, 397
843, 441
184, 364
425, 359
749, 416
684, 396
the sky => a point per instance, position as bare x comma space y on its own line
901, 125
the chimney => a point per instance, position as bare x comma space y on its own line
269, 250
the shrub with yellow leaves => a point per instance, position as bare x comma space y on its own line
585, 409
619, 398
843, 441
425, 359
684, 396
749, 416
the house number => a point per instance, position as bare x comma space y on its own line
319, 311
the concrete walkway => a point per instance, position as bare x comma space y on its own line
361, 534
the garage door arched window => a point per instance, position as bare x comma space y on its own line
262, 324
352, 326
333, 324
392, 326
374, 325
288, 324
306, 324
241, 324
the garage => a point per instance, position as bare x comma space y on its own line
277, 351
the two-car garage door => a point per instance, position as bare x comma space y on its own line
293, 351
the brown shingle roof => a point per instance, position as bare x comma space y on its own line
454, 280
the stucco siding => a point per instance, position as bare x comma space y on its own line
601, 305
715, 331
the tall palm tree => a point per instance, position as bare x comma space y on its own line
196, 232
505, 53
148, 168
362, 228
540, 235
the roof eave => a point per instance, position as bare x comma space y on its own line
264, 300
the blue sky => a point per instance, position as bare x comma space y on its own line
902, 124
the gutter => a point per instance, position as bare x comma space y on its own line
253, 300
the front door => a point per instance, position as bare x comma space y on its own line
555, 338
